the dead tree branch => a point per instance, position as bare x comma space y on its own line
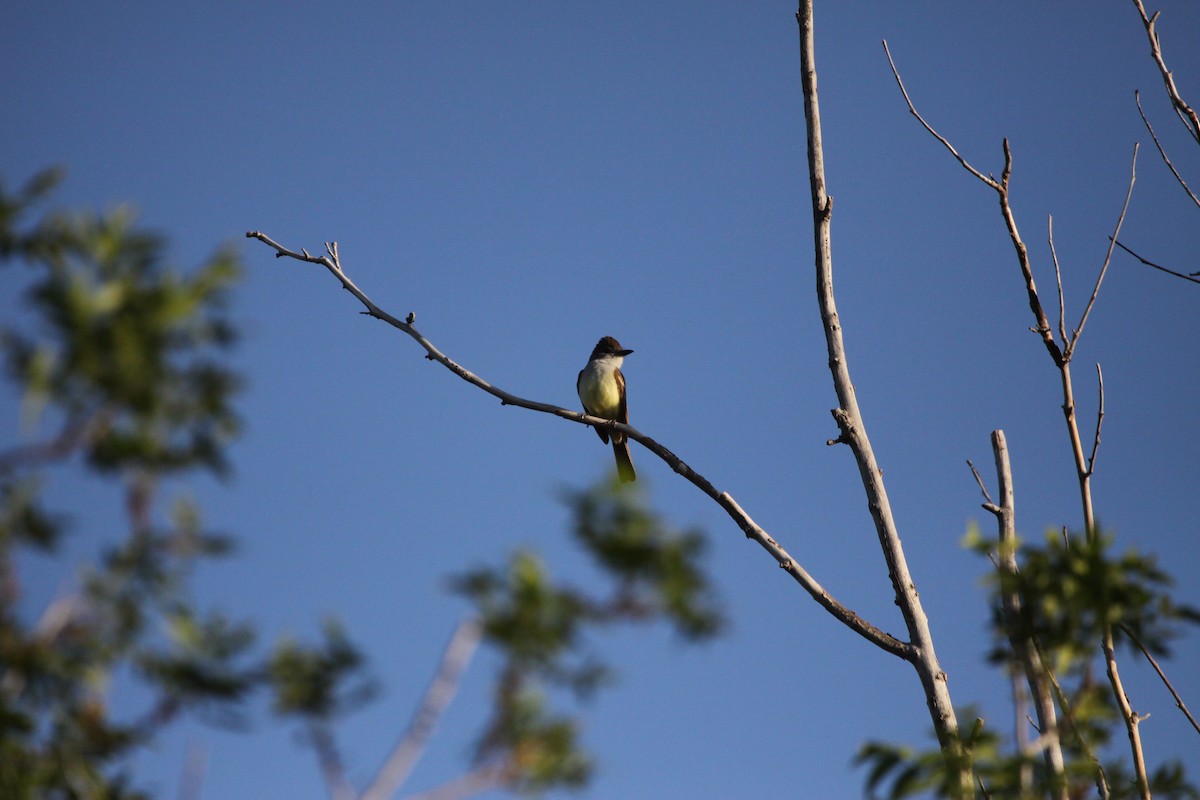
853, 429
750, 528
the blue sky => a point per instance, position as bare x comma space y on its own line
527, 177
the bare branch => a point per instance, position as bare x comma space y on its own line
1178, 700
441, 691
1070, 348
988, 179
1062, 311
1187, 115
847, 617
1099, 421
1179, 178
1193, 277
853, 429
752, 530
1042, 328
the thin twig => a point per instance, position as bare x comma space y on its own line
1043, 328
1186, 113
441, 691
1193, 277
1099, 421
1179, 178
876, 636
988, 179
1062, 311
989, 505
1070, 348
1178, 700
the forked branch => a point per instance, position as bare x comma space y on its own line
1062, 361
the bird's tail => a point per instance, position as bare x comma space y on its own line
624, 462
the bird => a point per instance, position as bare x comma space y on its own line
601, 388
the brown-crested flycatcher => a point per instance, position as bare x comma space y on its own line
601, 388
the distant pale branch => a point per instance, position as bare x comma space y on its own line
408, 751
1187, 115
332, 262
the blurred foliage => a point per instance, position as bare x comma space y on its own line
124, 361
652, 572
123, 357
1070, 589
314, 681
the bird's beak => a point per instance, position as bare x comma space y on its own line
624, 353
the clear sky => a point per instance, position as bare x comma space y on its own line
528, 177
